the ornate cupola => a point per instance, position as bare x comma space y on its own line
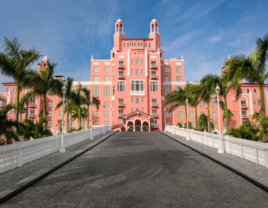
119, 34
155, 34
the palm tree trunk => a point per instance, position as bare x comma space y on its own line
262, 98
17, 106
88, 116
67, 118
209, 129
186, 115
196, 126
226, 113
45, 109
79, 117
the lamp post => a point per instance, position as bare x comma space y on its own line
103, 118
187, 101
220, 149
62, 148
91, 102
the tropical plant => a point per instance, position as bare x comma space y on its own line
179, 124
13, 63
29, 129
252, 69
42, 84
74, 112
96, 102
203, 122
256, 116
190, 126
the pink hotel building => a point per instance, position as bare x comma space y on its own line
132, 86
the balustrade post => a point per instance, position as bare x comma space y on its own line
19, 155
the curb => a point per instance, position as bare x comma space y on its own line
42, 176
251, 180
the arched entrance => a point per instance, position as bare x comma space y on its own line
137, 128
145, 128
130, 128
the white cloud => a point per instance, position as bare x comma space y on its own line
215, 38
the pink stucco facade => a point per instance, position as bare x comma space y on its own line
132, 85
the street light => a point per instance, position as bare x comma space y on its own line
62, 148
103, 118
91, 102
187, 101
220, 149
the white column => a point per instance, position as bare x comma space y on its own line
133, 126
141, 126
126, 125
128, 62
250, 104
146, 64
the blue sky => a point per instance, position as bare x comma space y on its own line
69, 32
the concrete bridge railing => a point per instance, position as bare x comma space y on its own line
253, 151
20, 153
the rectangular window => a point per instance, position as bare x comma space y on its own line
215, 124
131, 61
178, 79
107, 78
60, 113
145, 44
168, 105
113, 77
192, 124
50, 113
124, 45
247, 91
153, 86
167, 90
135, 44
120, 121
106, 123
137, 85
168, 114
96, 69
137, 100
254, 101
107, 104
214, 114
178, 69
50, 123
259, 102
142, 71
202, 105
180, 114
142, 99
137, 72
132, 71
234, 113
141, 44
95, 78
132, 99
167, 79
50, 104
224, 124
120, 112
153, 63
167, 69
95, 123
138, 43
154, 112
95, 114
107, 69
255, 90
132, 44
113, 68
149, 44
113, 103
153, 74
113, 113
106, 114
141, 61
127, 44
202, 113
32, 113
137, 109
121, 63
106, 91
213, 105
137, 62
120, 86
95, 91
132, 110
142, 110
191, 114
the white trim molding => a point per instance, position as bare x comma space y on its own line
92, 83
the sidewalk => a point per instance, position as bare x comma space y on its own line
256, 172
12, 180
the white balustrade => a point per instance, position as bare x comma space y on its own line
253, 151
20, 153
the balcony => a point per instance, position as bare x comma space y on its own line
121, 76
153, 76
155, 115
153, 66
3, 105
32, 105
120, 104
120, 114
135, 93
154, 126
121, 65
31, 115
244, 116
244, 106
154, 105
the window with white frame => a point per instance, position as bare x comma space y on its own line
50, 123
96, 69
120, 121
154, 112
192, 124
167, 79
259, 102
141, 61
135, 44
167, 69
107, 104
106, 91
154, 123
169, 123
214, 114
137, 85
153, 63
178, 78
95, 114
142, 99
168, 105
132, 61
50, 104
213, 105
132, 110
167, 90
154, 86
84, 123
180, 114
132, 71
121, 63
137, 100
107, 69
107, 78
168, 114
202, 105
153, 73
191, 114
95, 123
178, 69
202, 113
96, 91
137, 72
142, 110
121, 73
154, 102
141, 71
60, 113
14, 89
106, 114
215, 124
149, 44
50, 113
120, 112
120, 86
95, 78
106, 123
32, 112
137, 62
138, 43
145, 44
137, 109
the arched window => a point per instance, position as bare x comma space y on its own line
117, 28
161, 55
44, 64
121, 28
113, 55
156, 28
152, 28
241, 91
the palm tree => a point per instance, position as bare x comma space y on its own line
29, 129
252, 68
42, 84
256, 116
14, 62
74, 112
96, 102
203, 122
7, 125
245, 131
68, 85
